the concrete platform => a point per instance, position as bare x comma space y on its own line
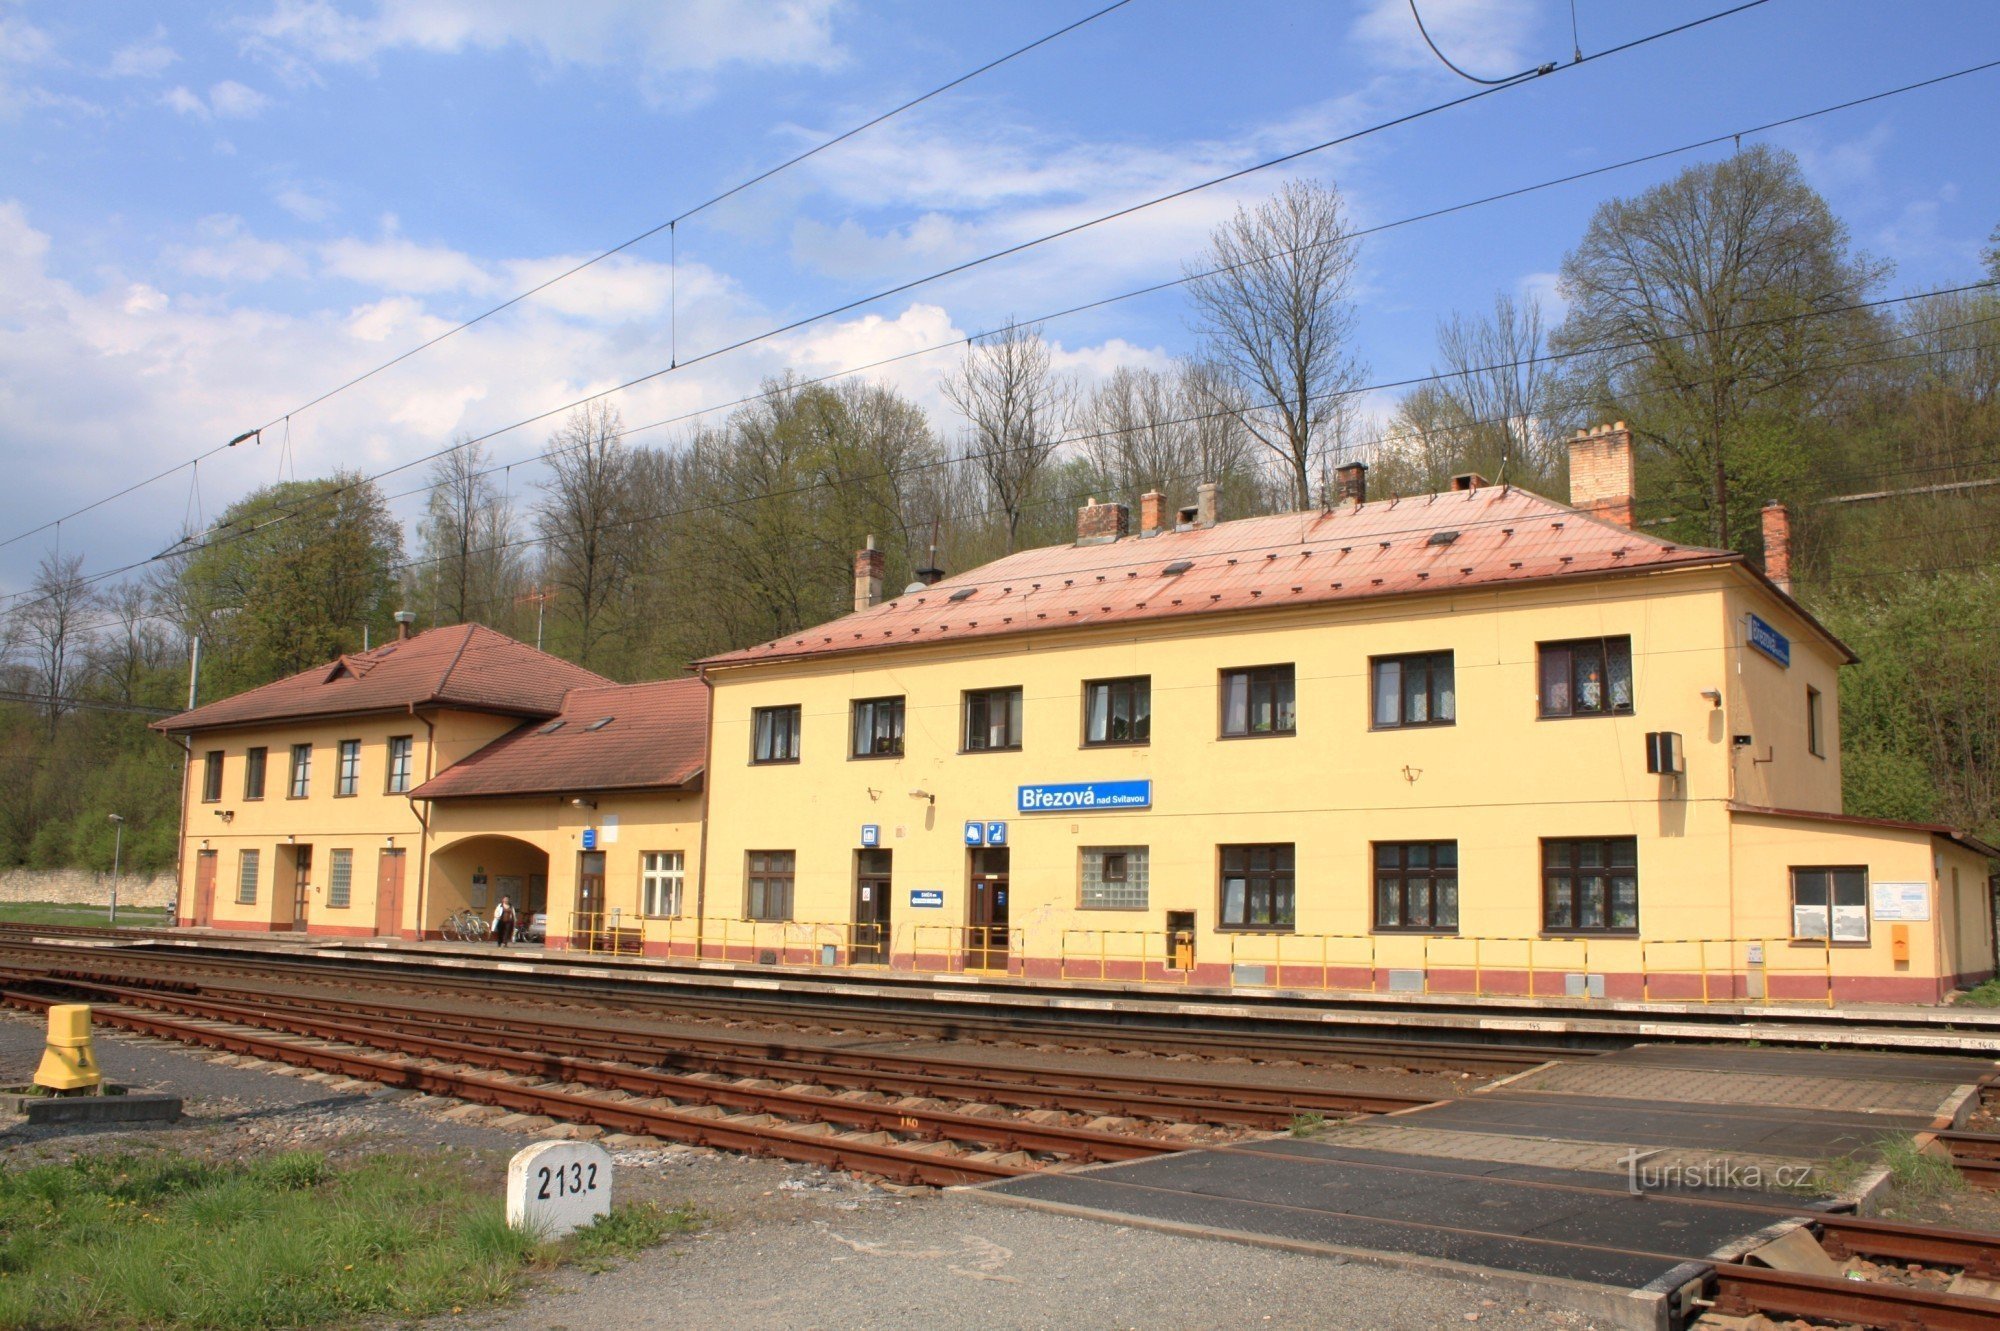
1547, 1233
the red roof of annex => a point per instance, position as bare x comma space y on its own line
1486, 537
618, 737
467, 666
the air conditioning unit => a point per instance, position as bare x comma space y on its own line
1663, 752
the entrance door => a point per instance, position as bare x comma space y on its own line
302, 865
986, 910
389, 894
589, 919
204, 889
871, 908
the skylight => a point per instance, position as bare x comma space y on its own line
551, 728
600, 723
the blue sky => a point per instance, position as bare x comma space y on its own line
210, 214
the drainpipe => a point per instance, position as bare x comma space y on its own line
707, 780
423, 821
187, 770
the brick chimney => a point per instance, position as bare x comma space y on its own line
1152, 513
1778, 545
869, 566
1350, 483
1207, 499
1469, 480
1097, 524
1601, 473
405, 621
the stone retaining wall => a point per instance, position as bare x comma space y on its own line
80, 887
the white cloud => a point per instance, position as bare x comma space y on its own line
1488, 38
664, 44
400, 265
229, 253
146, 59
303, 203
228, 100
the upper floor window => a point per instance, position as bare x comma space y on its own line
775, 735
1591, 886
347, 780
1416, 885
302, 764
401, 749
768, 890
211, 776
254, 762
1257, 887
1841, 892
993, 719
1586, 677
1414, 690
1118, 711
1815, 741
1259, 701
340, 879
660, 876
878, 728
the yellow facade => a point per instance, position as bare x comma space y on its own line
297, 842
1497, 782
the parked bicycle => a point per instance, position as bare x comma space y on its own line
467, 926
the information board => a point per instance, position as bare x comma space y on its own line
1902, 901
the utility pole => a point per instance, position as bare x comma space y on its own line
541, 597
117, 856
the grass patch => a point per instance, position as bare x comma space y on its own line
1832, 1178
1305, 1125
1980, 995
1918, 1174
286, 1241
48, 912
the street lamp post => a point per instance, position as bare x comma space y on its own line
117, 852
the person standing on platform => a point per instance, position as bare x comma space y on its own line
503, 922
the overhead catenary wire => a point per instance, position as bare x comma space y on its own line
1527, 73
599, 257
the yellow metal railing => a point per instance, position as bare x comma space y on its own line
956, 948
1145, 955
612, 933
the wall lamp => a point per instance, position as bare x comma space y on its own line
226, 815
1714, 697
583, 803
389, 841
923, 795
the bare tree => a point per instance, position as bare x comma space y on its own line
1492, 407
1155, 430
581, 518
1273, 298
1018, 408
470, 570
53, 632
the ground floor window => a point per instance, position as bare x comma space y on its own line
1590, 885
1114, 878
340, 879
1416, 886
660, 877
769, 894
246, 879
1257, 887
1843, 891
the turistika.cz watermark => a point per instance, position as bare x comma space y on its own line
1644, 1174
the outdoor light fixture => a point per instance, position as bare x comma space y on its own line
582, 803
1714, 697
389, 841
226, 815
923, 795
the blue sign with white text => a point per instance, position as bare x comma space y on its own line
590, 838
1083, 796
927, 898
975, 834
1770, 642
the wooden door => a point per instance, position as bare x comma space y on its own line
302, 869
986, 935
389, 894
872, 878
588, 923
204, 889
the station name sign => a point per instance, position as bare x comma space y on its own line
1083, 796
1770, 642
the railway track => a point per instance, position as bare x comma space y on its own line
736, 1006
1741, 1289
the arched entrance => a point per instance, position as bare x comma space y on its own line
474, 872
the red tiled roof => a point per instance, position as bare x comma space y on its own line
1949, 833
653, 741
466, 665
1446, 542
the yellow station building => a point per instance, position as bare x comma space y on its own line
1476, 741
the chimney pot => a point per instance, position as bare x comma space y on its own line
1350, 483
404, 620
1778, 545
1602, 474
1097, 524
870, 565
1152, 513
1468, 480
1207, 499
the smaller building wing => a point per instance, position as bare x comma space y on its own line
616, 737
